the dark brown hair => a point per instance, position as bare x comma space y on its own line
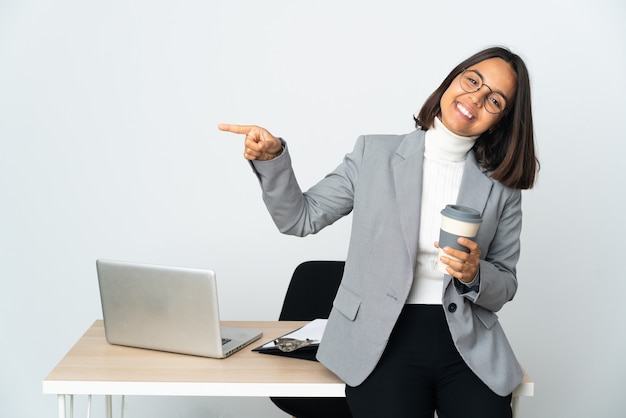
508, 150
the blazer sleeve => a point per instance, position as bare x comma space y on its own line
300, 214
498, 275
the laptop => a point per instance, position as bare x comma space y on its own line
164, 308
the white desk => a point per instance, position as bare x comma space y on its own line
94, 367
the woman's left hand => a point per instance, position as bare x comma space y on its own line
466, 267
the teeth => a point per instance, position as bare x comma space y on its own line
464, 110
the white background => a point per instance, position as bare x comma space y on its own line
109, 149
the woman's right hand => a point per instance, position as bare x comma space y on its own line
259, 143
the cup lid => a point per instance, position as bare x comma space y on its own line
462, 213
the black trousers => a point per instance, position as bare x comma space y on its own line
421, 372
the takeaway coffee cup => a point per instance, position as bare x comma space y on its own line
456, 221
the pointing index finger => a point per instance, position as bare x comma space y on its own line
236, 129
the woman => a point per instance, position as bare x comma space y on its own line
406, 339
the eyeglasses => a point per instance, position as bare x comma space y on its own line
471, 82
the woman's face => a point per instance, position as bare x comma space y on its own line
464, 113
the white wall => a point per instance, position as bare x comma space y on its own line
109, 148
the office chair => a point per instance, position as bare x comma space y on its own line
309, 296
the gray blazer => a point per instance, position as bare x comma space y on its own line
380, 181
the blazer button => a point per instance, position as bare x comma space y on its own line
452, 307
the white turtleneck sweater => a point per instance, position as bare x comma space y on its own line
444, 160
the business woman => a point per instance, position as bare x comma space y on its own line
406, 339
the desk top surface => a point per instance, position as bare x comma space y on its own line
93, 366
97, 367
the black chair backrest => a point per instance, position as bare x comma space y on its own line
312, 290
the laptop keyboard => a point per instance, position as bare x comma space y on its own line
225, 340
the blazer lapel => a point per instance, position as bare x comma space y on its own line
407, 169
474, 192
475, 185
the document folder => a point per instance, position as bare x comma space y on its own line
306, 339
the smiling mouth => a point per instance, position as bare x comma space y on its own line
464, 111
